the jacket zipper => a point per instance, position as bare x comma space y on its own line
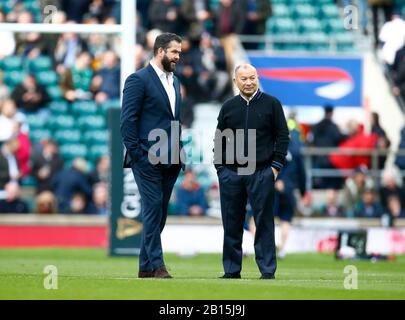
246, 130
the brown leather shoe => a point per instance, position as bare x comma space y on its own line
162, 273
146, 274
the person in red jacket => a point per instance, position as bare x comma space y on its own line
357, 140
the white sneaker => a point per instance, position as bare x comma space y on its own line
281, 254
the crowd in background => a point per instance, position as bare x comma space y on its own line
88, 68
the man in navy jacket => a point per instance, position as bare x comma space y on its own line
150, 107
260, 118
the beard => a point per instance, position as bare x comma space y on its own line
167, 64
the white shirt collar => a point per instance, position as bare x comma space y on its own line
161, 73
251, 97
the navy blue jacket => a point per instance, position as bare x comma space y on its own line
145, 106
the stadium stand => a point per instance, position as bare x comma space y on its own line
79, 125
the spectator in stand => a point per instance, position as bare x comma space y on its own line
20, 145
213, 78
100, 198
358, 139
186, 109
9, 111
29, 95
75, 9
394, 207
68, 46
7, 124
326, 134
70, 181
332, 208
376, 5
7, 40
46, 165
392, 37
188, 68
369, 206
354, 189
166, 15
375, 125
79, 204
102, 170
292, 177
150, 38
100, 9
140, 55
230, 18
106, 83
190, 197
45, 203
391, 186
257, 14
399, 80
198, 16
7, 150
13, 203
28, 44
81, 77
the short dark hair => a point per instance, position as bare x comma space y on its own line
163, 41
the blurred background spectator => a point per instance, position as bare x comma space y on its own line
190, 197
59, 86
13, 203
72, 187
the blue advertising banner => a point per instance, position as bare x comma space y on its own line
311, 81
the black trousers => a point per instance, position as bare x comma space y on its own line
155, 185
235, 190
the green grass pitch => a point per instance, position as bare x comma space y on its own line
91, 274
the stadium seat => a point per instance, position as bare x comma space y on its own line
32, 6
109, 104
304, 11
7, 5
278, 26
94, 137
96, 152
58, 107
62, 122
14, 78
55, 93
80, 108
334, 26
38, 135
29, 181
41, 63
329, 11
47, 78
281, 10
12, 63
67, 136
307, 26
35, 122
319, 41
93, 122
72, 151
